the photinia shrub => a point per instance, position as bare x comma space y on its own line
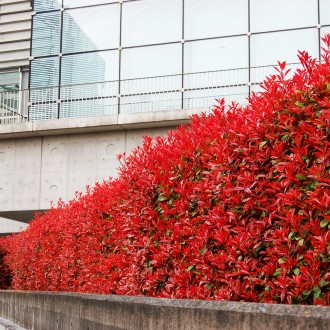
235, 206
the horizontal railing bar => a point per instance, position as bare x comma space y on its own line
150, 77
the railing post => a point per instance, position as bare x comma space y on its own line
20, 105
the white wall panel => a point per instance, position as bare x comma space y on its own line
15, 6
15, 27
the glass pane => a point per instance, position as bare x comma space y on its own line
268, 48
88, 108
324, 31
151, 21
151, 61
282, 14
259, 74
211, 18
46, 34
89, 91
90, 67
43, 111
151, 102
82, 3
42, 5
206, 97
44, 72
213, 79
93, 28
43, 96
216, 54
325, 12
153, 84
9, 81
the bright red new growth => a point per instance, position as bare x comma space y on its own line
235, 206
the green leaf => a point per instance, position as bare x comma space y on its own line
203, 251
156, 243
328, 86
296, 271
277, 272
301, 177
291, 234
317, 292
301, 242
305, 158
285, 136
267, 288
191, 267
311, 187
162, 198
261, 144
307, 292
281, 261
299, 104
323, 283
324, 223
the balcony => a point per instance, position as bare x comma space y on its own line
172, 92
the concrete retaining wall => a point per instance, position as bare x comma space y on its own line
43, 161
42, 310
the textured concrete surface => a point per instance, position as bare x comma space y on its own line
120, 122
10, 226
43, 161
42, 310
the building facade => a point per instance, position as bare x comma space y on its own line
102, 57
67, 59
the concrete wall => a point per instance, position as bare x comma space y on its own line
15, 33
41, 310
43, 161
10, 226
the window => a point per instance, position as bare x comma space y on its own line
89, 67
46, 34
94, 28
273, 15
268, 48
209, 18
151, 22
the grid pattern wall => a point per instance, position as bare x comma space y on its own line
95, 57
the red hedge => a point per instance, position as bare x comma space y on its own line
233, 206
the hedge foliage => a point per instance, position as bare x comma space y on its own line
235, 206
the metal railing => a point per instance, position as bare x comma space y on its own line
191, 90
13, 106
